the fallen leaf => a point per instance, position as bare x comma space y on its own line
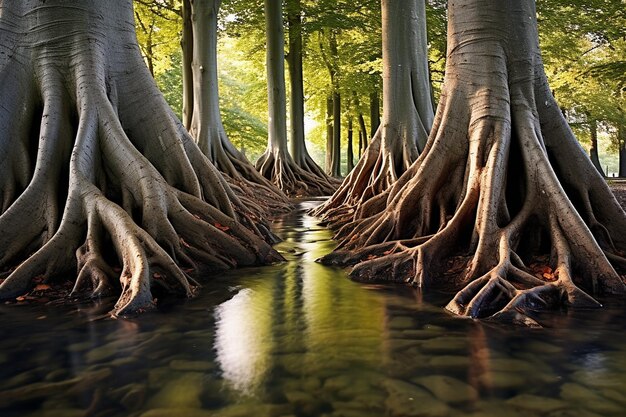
42, 287
222, 228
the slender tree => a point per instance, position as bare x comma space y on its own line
276, 164
407, 116
503, 202
206, 121
325, 184
97, 171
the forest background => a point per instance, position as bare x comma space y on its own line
583, 44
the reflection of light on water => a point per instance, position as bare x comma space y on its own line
243, 339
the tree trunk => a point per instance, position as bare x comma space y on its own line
206, 121
374, 113
363, 129
407, 116
336, 155
320, 183
100, 173
329, 134
350, 153
593, 151
503, 202
187, 51
276, 164
621, 133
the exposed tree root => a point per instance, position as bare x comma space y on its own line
282, 171
110, 178
503, 203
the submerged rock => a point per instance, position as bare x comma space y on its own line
408, 400
536, 403
448, 389
590, 400
182, 392
197, 366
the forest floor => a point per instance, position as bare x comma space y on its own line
619, 189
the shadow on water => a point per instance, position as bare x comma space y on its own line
300, 339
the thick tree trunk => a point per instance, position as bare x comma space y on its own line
407, 116
206, 121
503, 202
99, 173
299, 153
276, 164
593, 151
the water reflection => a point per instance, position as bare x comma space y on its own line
243, 336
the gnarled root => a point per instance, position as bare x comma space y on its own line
278, 167
373, 175
503, 226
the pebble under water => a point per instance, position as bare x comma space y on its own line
301, 339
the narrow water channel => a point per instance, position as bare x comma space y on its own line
301, 339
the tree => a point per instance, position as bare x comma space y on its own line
408, 111
503, 202
276, 164
97, 172
206, 125
299, 153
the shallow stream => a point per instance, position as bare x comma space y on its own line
301, 339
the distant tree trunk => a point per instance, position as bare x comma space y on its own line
593, 151
363, 129
206, 121
324, 184
336, 155
329, 134
360, 143
503, 202
407, 117
374, 113
621, 132
187, 50
276, 164
350, 153
97, 172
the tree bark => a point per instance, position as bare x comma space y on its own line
503, 203
100, 174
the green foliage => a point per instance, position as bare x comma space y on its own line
158, 26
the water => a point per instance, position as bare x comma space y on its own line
300, 339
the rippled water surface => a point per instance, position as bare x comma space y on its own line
300, 339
